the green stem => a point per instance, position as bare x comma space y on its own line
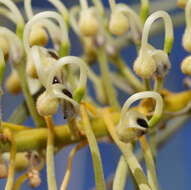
20, 180
126, 150
151, 168
38, 120
105, 76
99, 7
161, 138
73, 128
51, 179
153, 143
128, 74
147, 84
158, 84
33, 139
20, 114
144, 11
98, 169
120, 175
2, 70
68, 172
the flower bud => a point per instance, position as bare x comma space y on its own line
47, 105
144, 69
186, 40
88, 23
12, 83
38, 36
118, 24
133, 126
186, 65
31, 69
4, 46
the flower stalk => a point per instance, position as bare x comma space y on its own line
98, 169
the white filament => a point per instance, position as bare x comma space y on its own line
141, 95
59, 64
14, 41
84, 4
28, 9
147, 26
8, 14
13, 8
41, 16
60, 6
188, 14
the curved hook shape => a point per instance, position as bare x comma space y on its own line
44, 15
169, 35
14, 41
59, 64
46, 75
141, 95
13, 8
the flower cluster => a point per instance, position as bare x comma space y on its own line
38, 53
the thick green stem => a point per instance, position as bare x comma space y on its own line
38, 120
105, 76
11, 172
35, 139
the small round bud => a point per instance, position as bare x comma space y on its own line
3, 171
34, 178
38, 36
144, 69
4, 45
186, 40
118, 24
47, 105
132, 126
186, 65
12, 83
88, 23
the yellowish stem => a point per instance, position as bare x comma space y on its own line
67, 175
11, 172
151, 168
127, 152
50, 155
98, 169
20, 180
